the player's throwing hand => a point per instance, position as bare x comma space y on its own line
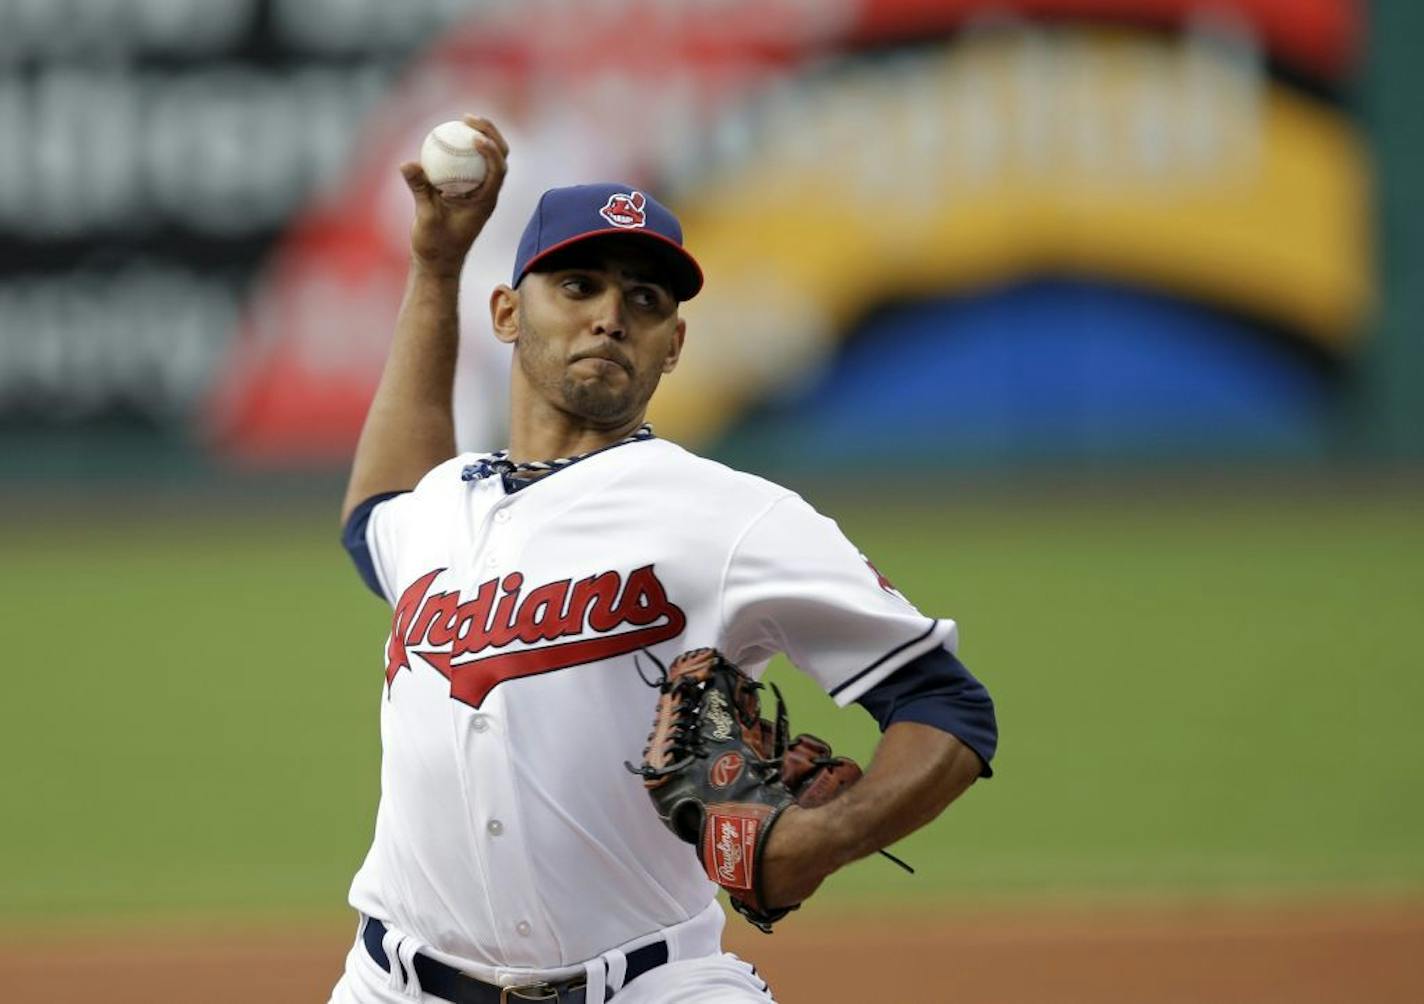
445, 226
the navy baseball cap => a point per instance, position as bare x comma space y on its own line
568, 216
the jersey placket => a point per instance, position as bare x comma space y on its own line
488, 771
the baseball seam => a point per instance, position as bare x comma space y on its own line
456, 151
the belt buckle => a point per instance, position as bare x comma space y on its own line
545, 991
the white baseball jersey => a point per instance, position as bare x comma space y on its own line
509, 832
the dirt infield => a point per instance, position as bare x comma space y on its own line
1336, 953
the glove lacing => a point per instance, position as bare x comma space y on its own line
686, 742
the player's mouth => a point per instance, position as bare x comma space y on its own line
608, 358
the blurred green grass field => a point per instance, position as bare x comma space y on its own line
1207, 694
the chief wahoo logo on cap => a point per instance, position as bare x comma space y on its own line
625, 210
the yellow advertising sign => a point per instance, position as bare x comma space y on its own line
1172, 164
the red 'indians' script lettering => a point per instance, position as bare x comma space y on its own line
441, 629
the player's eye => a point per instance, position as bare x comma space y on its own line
577, 285
645, 298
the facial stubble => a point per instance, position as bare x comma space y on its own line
590, 398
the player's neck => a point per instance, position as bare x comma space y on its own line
547, 434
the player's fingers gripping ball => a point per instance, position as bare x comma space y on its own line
452, 161
720, 775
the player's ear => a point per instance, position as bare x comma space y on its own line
675, 349
504, 313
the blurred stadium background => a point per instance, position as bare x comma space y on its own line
1095, 322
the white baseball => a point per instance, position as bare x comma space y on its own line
450, 160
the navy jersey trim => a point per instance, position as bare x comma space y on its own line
515, 480
883, 659
353, 538
937, 689
514, 484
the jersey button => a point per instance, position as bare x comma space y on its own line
492, 560
480, 723
523, 928
495, 827
502, 516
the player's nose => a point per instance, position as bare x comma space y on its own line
609, 317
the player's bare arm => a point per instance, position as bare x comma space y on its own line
917, 771
410, 425
772, 816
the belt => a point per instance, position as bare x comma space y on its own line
451, 984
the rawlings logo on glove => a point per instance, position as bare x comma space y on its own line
720, 775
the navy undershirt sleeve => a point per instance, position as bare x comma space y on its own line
936, 689
353, 538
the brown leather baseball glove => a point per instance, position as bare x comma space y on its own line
720, 775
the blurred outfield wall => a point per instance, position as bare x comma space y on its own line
963, 232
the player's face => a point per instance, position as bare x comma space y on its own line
597, 331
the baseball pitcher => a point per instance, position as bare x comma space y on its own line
577, 752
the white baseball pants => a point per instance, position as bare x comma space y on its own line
711, 979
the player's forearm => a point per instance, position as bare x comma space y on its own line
410, 426
917, 772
